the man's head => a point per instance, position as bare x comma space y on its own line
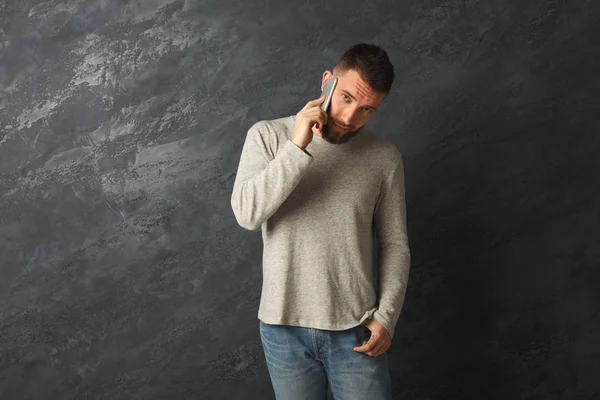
365, 75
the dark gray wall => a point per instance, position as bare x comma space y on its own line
123, 274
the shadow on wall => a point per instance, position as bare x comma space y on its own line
493, 175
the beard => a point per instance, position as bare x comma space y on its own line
335, 137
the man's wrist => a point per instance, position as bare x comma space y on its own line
303, 148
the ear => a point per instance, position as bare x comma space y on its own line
326, 75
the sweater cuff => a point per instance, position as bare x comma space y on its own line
292, 144
383, 320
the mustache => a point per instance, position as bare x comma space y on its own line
331, 120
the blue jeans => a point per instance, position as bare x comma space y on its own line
304, 363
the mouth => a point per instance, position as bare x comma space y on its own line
340, 128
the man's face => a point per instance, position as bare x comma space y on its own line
352, 105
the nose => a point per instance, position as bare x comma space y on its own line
347, 116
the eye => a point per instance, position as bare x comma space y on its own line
368, 110
346, 98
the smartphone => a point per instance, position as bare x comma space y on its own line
328, 92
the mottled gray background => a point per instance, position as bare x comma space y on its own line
123, 273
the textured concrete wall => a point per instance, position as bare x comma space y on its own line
123, 274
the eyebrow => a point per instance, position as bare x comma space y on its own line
353, 98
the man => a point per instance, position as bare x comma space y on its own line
319, 185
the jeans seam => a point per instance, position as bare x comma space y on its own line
314, 342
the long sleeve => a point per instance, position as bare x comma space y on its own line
394, 254
266, 176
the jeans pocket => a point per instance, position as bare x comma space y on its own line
367, 334
364, 334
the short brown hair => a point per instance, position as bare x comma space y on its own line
372, 64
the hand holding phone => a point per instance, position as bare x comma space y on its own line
313, 115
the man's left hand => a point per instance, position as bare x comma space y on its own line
379, 342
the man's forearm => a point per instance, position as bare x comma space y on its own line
261, 186
393, 279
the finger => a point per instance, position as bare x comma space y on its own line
375, 344
313, 111
315, 116
385, 347
322, 118
378, 344
312, 114
314, 102
361, 349
378, 350
366, 347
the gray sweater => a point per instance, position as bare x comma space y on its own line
318, 210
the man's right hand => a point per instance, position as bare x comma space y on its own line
306, 118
